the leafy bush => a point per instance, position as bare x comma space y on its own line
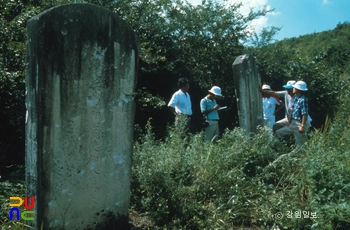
188, 183
320, 59
185, 180
182, 181
11, 185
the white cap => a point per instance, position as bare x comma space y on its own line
265, 87
215, 90
300, 85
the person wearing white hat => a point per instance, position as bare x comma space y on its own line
300, 111
269, 106
287, 95
209, 109
281, 129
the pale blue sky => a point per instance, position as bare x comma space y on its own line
298, 17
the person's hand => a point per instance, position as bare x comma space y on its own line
216, 107
301, 129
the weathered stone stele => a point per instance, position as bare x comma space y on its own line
249, 101
82, 63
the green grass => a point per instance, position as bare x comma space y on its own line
242, 182
10, 186
183, 182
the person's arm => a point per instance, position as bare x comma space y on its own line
304, 112
204, 107
172, 109
303, 122
281, 105
211, 110
268, 92
172, 103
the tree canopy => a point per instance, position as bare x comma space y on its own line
178, 39
322, 60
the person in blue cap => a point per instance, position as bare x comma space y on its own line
287, 95
281, 129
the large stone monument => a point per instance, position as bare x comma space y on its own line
249, 101
82, 64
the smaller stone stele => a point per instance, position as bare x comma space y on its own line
249, 102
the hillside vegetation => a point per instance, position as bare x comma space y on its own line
242, 183
180, 40
322, 60
179, 180
176, 40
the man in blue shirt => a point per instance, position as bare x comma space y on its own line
300, 111
209, 108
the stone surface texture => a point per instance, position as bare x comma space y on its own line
249, 102
82, 65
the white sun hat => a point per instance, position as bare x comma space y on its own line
266, 87
215, 90
300, 85
289, 84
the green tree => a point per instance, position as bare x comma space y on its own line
13, 18
177, 39
320, 59
181, 40
264, 38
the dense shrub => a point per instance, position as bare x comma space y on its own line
185, 182
11, 185
320, 59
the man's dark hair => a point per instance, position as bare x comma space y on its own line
182, 82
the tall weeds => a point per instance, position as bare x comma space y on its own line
184, 182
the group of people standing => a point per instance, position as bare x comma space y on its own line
180, 105
297, 120
295, 124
